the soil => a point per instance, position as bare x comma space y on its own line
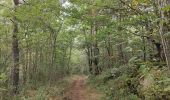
79, 90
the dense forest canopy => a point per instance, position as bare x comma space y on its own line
121, 48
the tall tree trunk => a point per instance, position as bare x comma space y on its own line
109, 50
15, 52
54, 35
69, 58
120, 47
95, 51
144, 46
25, 69
30, 67
96, 59
95, 48
120, 52
89, 55
53, 58
164, 28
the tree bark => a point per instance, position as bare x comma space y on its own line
109, 50
15, 52
95, 51
89, 54
164, 28
70, 54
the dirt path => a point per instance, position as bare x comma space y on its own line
79, 90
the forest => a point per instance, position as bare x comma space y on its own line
84, 49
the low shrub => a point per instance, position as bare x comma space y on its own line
136, 81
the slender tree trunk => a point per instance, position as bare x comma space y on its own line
96, 59
90, 60
120, 52
15, 52
90, 54
164, 29
53, 34
109, 51
69, 58
144, 46
95, 51
35, 64
53, 59
30, 62
95, 48
120, 47
63, 62
25, 74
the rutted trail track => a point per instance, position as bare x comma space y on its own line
79, 90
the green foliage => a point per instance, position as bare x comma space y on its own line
58, 39
45, 92
166, 8
3, 77
115, 87
138, 81
167, 35
154, 82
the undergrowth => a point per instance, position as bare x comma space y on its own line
135, 81
42, 92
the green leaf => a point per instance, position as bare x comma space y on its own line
166, 8
166, 35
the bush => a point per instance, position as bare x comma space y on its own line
136, 81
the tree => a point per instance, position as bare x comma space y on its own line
164, 28
15, 51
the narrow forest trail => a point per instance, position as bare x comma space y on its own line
80, 91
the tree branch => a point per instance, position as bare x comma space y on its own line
135, 10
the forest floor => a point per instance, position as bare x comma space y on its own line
80, 91
70, 88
